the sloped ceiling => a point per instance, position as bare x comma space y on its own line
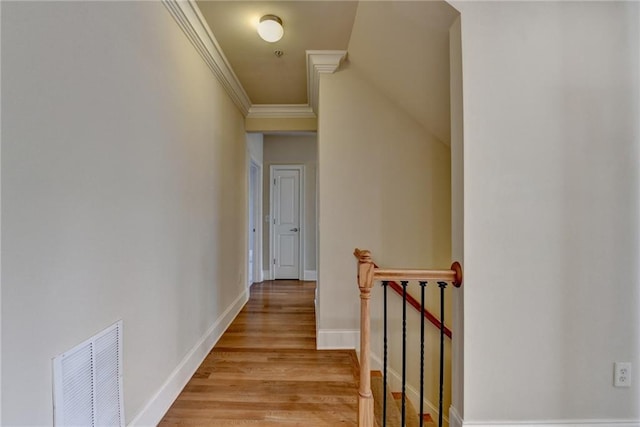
402, 49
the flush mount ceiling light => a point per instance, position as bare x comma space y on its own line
270, 28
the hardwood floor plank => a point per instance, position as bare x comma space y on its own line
277, 388
265, 371
248, 355
276, 396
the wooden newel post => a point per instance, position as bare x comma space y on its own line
365, 283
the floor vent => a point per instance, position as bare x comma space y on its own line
87, 382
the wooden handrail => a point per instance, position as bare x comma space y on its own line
368, 272
389, 274
453, 275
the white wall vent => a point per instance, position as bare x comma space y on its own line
87, 382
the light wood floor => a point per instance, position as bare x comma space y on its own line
265, 370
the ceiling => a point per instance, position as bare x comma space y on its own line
400, 48
308, 25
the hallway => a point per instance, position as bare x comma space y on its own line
265, 370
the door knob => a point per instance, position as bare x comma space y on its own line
294, 229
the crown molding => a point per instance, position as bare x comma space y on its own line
279, 111
190, 19
188, 16
321, 62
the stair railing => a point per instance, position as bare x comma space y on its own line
368, 273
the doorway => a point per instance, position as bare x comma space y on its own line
286, 225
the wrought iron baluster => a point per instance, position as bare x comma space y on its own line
423, 285
385, 285
404, 350
442, 286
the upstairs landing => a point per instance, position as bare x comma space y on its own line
265, 370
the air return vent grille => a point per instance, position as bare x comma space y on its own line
87, 382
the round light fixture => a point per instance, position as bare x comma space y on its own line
270, 28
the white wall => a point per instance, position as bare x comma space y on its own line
285, 149
457, 212
383, 185
384, 178
551, 200
123, 195
0, 225
402, 49
255, 142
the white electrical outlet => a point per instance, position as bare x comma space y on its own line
622, 374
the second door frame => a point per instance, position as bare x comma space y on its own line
301, 197
257, 221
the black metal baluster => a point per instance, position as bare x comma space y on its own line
385, 285
423, 285
404, 349
442, 286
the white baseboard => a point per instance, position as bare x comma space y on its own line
259, 279
266, 275
395, 382
338, 339
162, 400
455, 420
310, 275
556, 423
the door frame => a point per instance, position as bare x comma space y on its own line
301, 239
257, 221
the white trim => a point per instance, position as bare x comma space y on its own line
190, 19
257, 261
159, 404
301, 235
455, 420
310, 275
0, 239
266, 275
278, 111
395, 382
338, 339
458, 421
556, 423
257, 218
316, 307
290, 132
320, 62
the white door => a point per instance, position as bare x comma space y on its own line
286, 227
